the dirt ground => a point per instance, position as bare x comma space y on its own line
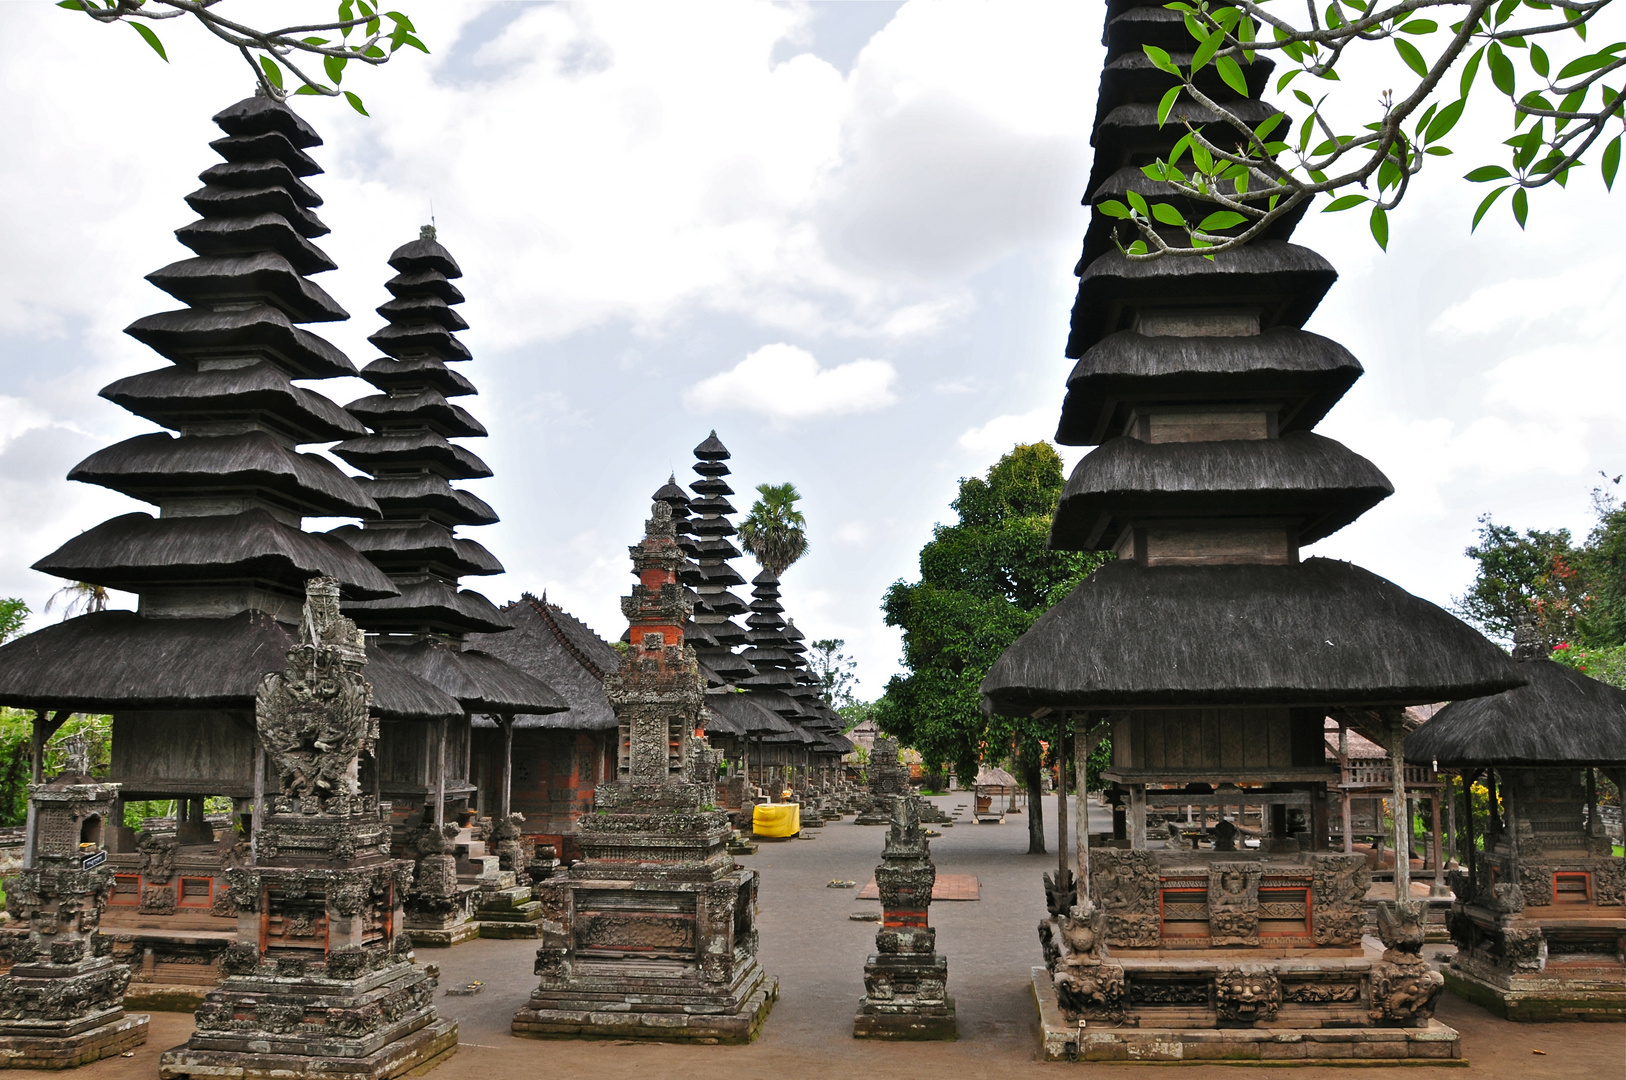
817, 953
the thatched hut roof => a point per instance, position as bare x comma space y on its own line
117, 660
429, 604
1560, 716
428, 407
746, 713
261, 331
390, 375
1304, 372
1320, 632
555, 647
479, 681
374, 452
427, 546
265, 276
173, 396
1124, 129
1316, 482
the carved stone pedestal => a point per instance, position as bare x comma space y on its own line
61, 1004
906, 979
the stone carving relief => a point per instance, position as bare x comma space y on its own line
1338, 886
1233, 902
1125, 884
1244, 995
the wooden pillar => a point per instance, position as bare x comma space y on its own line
258, 817
1439, 860
1452, 851
1468, 828
1397, 770
1062, 724
1137, 817
1083, 746
1343, 779
1592, 827
440, 775
36, 747
506, 723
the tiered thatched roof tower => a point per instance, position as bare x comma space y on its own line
1210, 649
707, 543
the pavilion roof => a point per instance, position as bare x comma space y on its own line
1561, 716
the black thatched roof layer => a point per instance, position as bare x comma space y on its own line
214, 201
479, 681
258, 276
414, 338
425, 283
424, 253
173, 396
257, 115
417, 373
1319, 632
1559, 717
153, 467
747, 714
426, 547
427, 407
1304, 372
556, 648
374, 452
135, 551
711, 449
1304, 477
1128, 130
430, 496
424, 308
260, 332
266, 146
117, 660
429, 605
1284, 281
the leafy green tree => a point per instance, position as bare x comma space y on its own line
775, 532
854, 713
1564, 93
1603, 564
13, 613
78, 598
267, 52
1531, 577
834, 669
983, 582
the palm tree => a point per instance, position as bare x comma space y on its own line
775, 532
80, 597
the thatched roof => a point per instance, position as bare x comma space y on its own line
1304, 372
1319, 633
479, 681
1314, 481
173, 396
260, 331
422, 254
253, 175
116, 660
257, 115
428, 408
135, 551
994, 776
1559, 717
405, 340
431, 496
215, 201
158, 465
712, 449
746, 713
392, 375
222, 278
1098, 237
1129, 128
426, 547
429, 605
422, 308
1284, 280
553, 646
424, 283
266, 146
373, 452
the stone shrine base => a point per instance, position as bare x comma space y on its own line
618, 1019
1060, 1040
422, 1050
108, 1039
1539, 999
914, 1023
423, 938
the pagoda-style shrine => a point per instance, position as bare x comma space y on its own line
1539, 918
652, 934
1210, 650
220, 569
320, 979
411, 461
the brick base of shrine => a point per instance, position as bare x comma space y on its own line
109, 1039
1538, 999
417, 1053
444, 938
1061, 1040
660, 1024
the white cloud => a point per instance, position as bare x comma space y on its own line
1001, 433
787, 383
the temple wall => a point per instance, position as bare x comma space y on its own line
160, 754
555, 773
1248, 738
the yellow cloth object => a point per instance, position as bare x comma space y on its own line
777, 819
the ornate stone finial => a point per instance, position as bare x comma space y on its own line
312, 716
426, 232
1528, 642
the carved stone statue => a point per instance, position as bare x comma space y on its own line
1233, 902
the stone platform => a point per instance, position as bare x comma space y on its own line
668, 1024
417, 1053
1538, 999
1433, 1044
105, 1040
444, 939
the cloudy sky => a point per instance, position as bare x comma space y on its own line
841, 234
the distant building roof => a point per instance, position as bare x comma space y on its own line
556, 647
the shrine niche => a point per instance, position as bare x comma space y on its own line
652, 933
1211, 649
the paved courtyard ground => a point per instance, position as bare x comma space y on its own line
817, 952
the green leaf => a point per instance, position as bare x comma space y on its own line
1414, 59
1380, 227
1231, 72
1388, 175
1438, 151
1179, 149
1442, 124
1167, 103
1521, 206
314, 40
1138, 248
1201, 157
1205, 52
1220, 219
308, 89
1343, 202
1160, 60
1167, 214
1487, 172
1584, 65
1486, 205
73, 5
1262, 132
273, 73
1501, 69
1113, 208
1538, 60
355, 103
335, 67
408, 39
1469, 70
152, 39
400, 20
1281, 83
1157, 170
1611, 162
1420, 26
1139, 204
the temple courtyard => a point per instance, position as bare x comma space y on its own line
814, 948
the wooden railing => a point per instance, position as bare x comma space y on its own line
1361, 774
